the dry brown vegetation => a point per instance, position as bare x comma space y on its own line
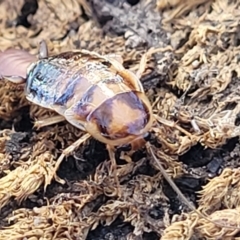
192, 82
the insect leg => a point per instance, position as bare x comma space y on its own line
142, 65
48, 121
116, 57
43, 50
111, 153
65, 153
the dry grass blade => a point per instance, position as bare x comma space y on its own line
225, 187
181, 229
228, 217
192, 81
26, 179
49, 222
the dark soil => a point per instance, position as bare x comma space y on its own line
133, 27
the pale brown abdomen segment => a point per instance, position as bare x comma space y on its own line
120, 116
72, 85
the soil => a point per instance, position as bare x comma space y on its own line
191, 79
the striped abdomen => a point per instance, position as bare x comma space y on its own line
90, 93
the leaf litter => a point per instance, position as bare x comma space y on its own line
192, 81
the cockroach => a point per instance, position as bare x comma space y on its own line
93, 92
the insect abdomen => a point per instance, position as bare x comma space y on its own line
61, 83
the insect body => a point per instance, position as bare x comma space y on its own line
94, 93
